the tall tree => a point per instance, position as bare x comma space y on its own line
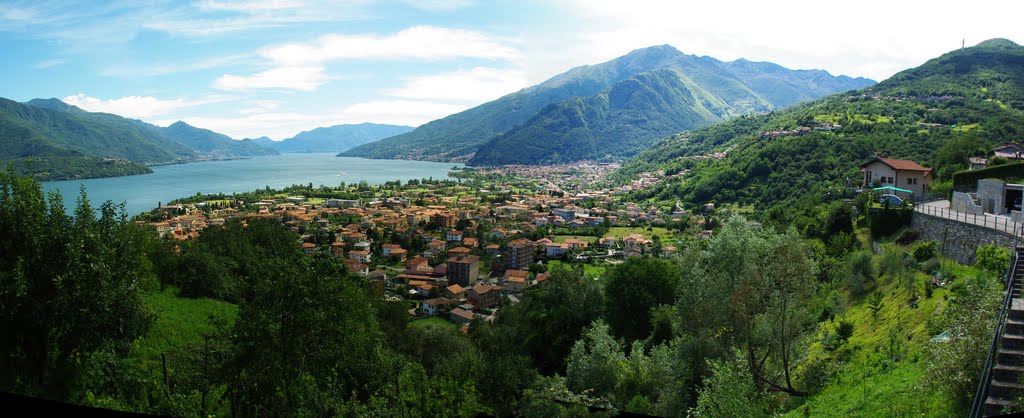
68, 285
633, 289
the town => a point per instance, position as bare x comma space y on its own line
457, 249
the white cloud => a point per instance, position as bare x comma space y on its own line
398, 112
49, 63
438, 5
477, 85
872, 38
256, 122
137, 107
302, 66
288, 78
418, 42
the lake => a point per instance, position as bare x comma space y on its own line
143, 192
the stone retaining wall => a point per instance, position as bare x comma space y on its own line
961, 239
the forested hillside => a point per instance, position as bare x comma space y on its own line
952, 107
54, 140
613, 108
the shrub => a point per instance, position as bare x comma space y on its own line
992, 259
891, 262
931, 265
924, 250
860, 271
907, 236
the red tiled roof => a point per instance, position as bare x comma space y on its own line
907, 165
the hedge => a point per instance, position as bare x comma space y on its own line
969, 178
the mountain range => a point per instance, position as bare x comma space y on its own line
609, 110
952, 107
55, 140
336, 138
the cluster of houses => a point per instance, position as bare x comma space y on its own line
803, 130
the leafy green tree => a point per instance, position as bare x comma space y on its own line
633, 289
992, 259
69, 286
594, 361
547, 322
729, 391
752, 289
305, 343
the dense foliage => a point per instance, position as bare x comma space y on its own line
69, 286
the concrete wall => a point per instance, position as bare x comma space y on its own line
963, 202
992, 195
961, 239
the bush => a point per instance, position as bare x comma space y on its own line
860, 271
891, 262
931, 265
992, 259
924, 250
907, 236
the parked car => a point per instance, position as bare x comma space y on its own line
894, 201
1016, 204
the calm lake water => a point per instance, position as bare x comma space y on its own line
143, 192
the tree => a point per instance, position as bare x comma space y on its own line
992, 259
594, 361
752, 289
729, 391
69, 286
633, 289
305, 343
547, 322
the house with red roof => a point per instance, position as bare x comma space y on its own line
903, 174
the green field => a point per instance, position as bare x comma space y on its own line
620, 232
436, 320
594, 271
179, 323
588, 239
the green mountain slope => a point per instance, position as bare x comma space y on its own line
54, 140
616, 123
90, 134
213, 144
952, 107
457, 137
336, 138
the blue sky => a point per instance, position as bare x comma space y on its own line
277, 67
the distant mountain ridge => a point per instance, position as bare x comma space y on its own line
55, 140
336, 138
211, 143
586, 112
955, 106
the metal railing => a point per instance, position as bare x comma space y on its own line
998, 223
978, 405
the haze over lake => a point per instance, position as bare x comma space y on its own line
144, 192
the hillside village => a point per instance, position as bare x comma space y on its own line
455, 250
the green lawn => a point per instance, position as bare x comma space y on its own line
620, 232
179, 323
588, 239
436, 320
594, 271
